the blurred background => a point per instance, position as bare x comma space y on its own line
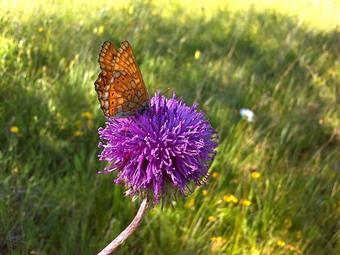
274, 185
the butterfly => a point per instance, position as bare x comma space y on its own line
120, 86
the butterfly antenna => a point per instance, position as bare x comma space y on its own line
167, 92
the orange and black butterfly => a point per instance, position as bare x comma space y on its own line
120, 86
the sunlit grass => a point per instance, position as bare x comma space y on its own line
273, 186
324, 15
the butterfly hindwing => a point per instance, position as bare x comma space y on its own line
125, 98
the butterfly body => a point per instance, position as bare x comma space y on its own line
120, 86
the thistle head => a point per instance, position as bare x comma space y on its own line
165, 148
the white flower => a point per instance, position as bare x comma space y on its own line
247, 114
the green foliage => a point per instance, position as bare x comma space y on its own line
286, 163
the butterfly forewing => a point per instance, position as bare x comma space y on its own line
120, 86
106, 56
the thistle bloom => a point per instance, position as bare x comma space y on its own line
167, 146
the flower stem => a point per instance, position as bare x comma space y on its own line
128, 231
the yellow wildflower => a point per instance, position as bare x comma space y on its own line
98, 30
14, 130
254, 251
255, 175
204, 192
216, 243
78, 133
230, 199
212, 218
190, 203
87, 115
280, 243
245, 202
215, 175
197, 54
40, 29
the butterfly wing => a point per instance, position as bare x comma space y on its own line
120, 86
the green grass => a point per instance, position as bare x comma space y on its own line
53, 202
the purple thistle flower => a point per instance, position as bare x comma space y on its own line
169, 144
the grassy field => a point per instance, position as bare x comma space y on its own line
274, 185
